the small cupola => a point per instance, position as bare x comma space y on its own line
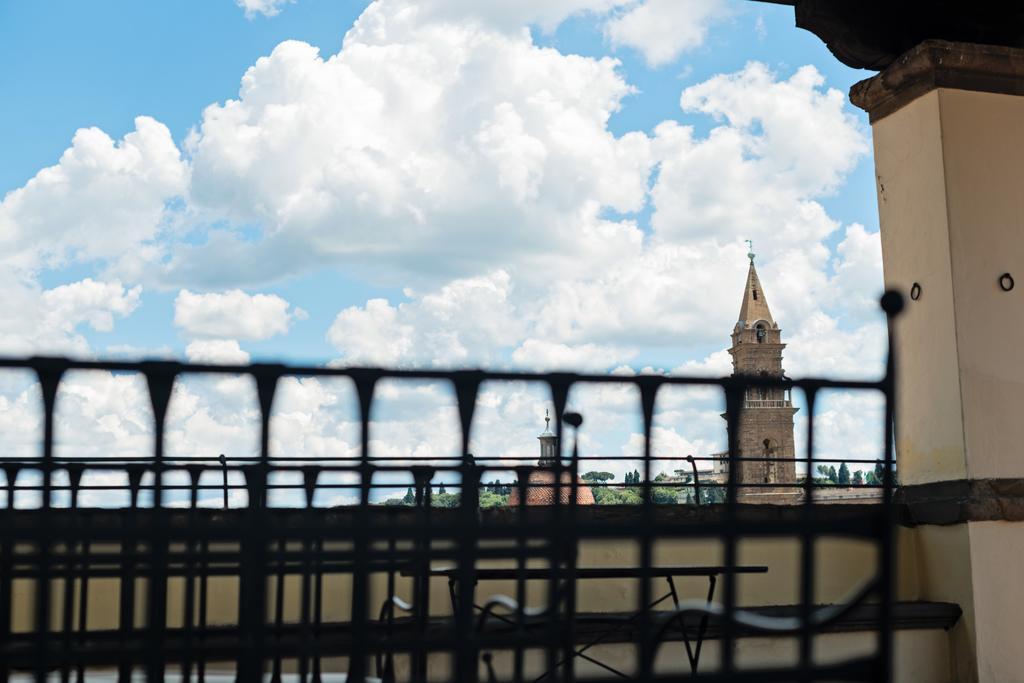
547, 439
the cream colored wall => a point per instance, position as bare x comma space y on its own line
944, 575
951, 204
997, 553
911, 187
949, 168
975, 566
983, 149
842, 565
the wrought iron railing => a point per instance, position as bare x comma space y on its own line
159, 563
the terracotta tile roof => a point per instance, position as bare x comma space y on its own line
541, 490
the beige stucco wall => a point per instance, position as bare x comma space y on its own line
949, 166
983, 151
842, 565
943, 574
915, 248
974, 566
997, 549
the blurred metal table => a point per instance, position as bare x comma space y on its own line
669, 573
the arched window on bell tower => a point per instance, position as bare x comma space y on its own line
761, 331
770, 450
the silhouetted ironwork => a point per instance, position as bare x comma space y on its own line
172, 558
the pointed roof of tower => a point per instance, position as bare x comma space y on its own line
547, 433
755, 305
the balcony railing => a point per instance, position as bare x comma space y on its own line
160, 566
767, 403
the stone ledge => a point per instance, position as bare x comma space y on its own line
941, 503
940, 64
963, 500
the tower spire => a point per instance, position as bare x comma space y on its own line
755, 304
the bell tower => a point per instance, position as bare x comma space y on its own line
766, 417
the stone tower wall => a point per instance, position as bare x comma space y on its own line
756, 425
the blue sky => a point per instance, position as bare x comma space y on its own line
82, 65
446, 190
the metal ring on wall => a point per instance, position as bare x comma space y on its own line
915, 291
1006, 282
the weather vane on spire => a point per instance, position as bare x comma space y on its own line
547, 419
750, 251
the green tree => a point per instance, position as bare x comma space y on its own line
844, 475
607, 495
445, 500
879, 472
597, 476
636, 477
440, 491
858, 478
604, 495
665, 495
409, 498
712, 494
489, 499
631, 497
832, 476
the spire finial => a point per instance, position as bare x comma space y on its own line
547, 420
750, 251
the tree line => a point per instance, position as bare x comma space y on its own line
493, 494
630, 492
827, 474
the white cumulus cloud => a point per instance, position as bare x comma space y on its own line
267, 8
663, 29
100, 200
538, 354
49, 321
464, 322
233, 314
225, 351
437, 146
